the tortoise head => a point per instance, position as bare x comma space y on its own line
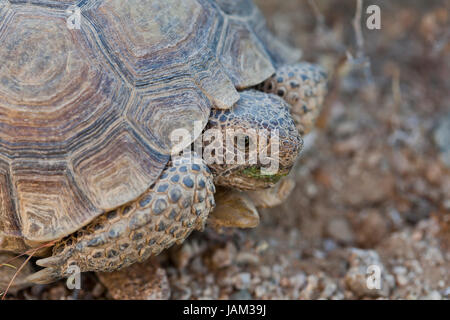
253, 144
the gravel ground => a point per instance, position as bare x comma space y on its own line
373, 183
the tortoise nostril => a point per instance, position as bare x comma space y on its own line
281, 92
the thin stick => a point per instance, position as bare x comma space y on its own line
17, 273
360, 55
30, 253
45, 245
396, 91
319, 16
16, 257
325, 36
358, 31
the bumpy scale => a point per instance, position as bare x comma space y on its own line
268, 114
303, 85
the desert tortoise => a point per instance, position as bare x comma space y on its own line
86, 117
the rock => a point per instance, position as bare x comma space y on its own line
329, 245
98, 290
247, 258
329, 288
446, 204
435, 255
366, 187
340, 230
260, 291
433, 295
357, 276
447, 293
262, 246
309, 141
434, 173
181, 255
242, 280
223, 257
349, 145
400, 163
297, 281
401, 277
371, 228
311, 289
58, 292
241, 295
140, 281
421, 210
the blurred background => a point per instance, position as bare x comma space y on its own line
373, 183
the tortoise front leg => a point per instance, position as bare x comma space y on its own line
179, 202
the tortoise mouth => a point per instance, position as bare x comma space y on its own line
256, 173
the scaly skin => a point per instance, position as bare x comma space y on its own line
155, 221
267, 114
303, 85
167, 213
178, 202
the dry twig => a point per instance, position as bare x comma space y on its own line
361, 58
30, 254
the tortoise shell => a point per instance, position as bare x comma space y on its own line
279, 52
86, 114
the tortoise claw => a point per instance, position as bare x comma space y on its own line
44, 276
53, 261
51, 272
